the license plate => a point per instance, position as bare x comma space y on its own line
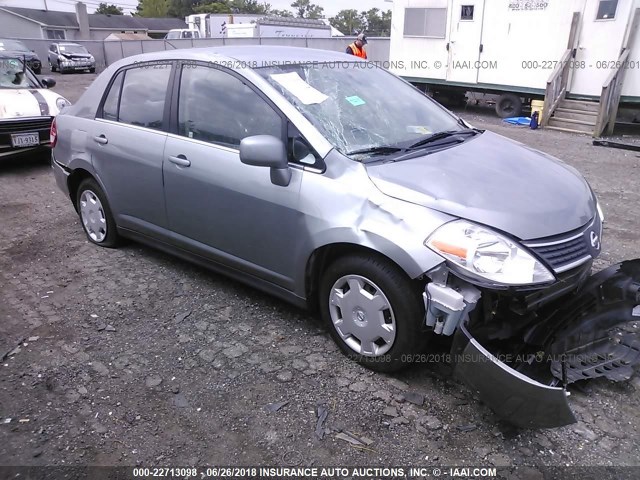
19, 140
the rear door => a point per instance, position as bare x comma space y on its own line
127, 142
219, 206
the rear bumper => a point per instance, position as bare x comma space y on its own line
61, 175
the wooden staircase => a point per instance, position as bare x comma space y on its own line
575, 116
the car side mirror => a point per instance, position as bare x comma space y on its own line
48, 82
267, 151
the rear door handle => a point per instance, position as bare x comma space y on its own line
180, 160
101, 139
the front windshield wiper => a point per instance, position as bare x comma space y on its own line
442, 135
381, 150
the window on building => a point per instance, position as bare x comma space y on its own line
425, 22
467, 12
55, 34
607, 9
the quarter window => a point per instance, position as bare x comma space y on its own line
217, 107
110, 107
143, 95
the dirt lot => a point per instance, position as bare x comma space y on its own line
131, 357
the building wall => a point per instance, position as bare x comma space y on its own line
16, 27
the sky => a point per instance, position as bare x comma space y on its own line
331, 7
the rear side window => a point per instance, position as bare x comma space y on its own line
110, 107
217, 107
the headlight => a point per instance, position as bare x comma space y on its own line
600, 212
487, 254
62, 102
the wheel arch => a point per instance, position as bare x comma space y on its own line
325, 255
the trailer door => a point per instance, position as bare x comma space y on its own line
465, 36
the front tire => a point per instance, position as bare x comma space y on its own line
373, 311
95, 214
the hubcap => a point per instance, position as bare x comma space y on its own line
92, 215
362, 315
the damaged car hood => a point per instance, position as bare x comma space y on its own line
495, 181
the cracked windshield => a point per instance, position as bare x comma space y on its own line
359, 108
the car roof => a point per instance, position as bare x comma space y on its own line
249, 54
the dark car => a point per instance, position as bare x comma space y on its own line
70, 57
19, 49
27, 107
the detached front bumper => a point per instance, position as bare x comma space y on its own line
514, 397
596, 333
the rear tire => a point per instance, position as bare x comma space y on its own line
373, 311
52, 67
509, 105
95, 214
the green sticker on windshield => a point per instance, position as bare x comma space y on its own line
355, 100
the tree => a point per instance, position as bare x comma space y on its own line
306, 9
105, 9
349, 22
153, 8
281, 13
249, 6
213, 6
181, 8
377, 24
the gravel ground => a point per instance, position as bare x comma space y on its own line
130, 356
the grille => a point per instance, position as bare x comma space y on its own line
24, 125
563, 253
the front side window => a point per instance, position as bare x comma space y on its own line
359, 106
143, 95
217, 107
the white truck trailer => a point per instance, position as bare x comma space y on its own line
581, 56
257, 26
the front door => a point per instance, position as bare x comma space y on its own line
217, 205
465, 37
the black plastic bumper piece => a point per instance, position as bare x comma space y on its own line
516, 398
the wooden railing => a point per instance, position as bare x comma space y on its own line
610, 98
612, 88
556, 87
559, 79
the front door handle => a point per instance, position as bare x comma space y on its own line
101, 139
180, 160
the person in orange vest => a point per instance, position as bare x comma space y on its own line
357, 47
